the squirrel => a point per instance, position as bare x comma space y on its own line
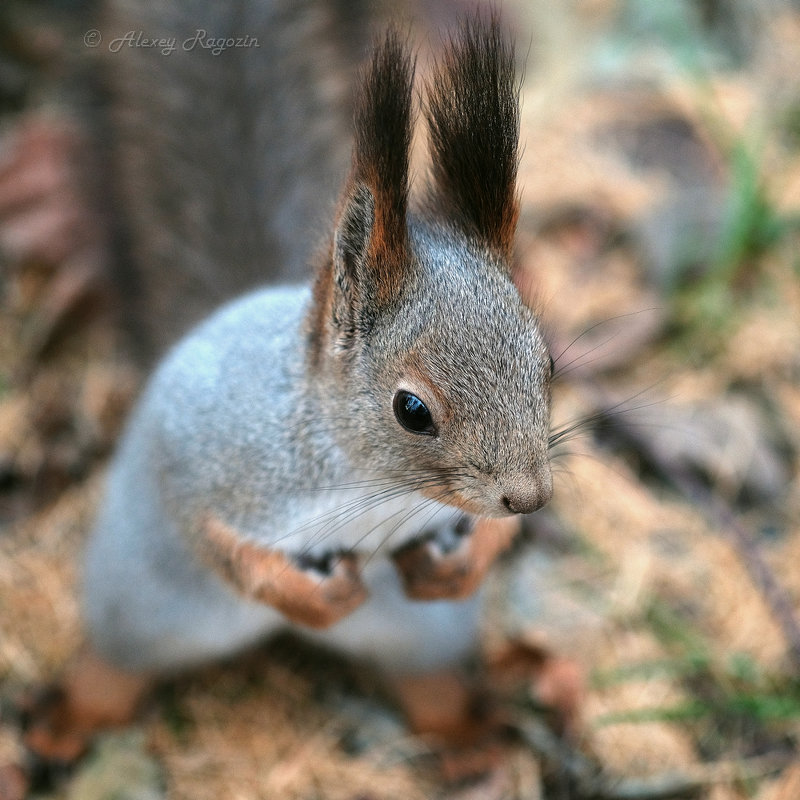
348, 457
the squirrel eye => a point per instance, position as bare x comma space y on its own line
413, 414
552, 366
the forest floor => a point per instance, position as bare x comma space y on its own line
659, 235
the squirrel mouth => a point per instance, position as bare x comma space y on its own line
448, 494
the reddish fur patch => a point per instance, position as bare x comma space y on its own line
440, 703
388, 246
414, 368
507, 233
557, 683
13, 782
443, 493
429, 575
321, 314
94, 695
269, 577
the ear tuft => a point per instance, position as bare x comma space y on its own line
368, 265
383, 125
473, 120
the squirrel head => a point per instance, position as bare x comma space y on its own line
433, 368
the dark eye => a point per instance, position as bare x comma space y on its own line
413, 414
552, 366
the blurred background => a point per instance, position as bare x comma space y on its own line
660, 188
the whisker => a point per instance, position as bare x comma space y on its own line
561, 371
337, 518
601, 418
352, 509
412, 512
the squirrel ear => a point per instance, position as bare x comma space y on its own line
351, 245
371, 240
473, 120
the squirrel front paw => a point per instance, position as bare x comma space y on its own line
312, 592
320, 592
451, 564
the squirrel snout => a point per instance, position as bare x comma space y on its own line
527, 499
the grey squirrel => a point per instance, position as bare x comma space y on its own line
346, 458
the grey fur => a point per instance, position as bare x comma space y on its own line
233, 422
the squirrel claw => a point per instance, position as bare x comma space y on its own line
430, 573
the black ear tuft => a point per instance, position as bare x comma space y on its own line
383, 125
473, 119
369, 263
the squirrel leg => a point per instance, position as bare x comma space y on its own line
467, 717
93, 694
555, 681
312, 592
460, 719
433, 569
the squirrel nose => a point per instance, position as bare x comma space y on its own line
529, 499
517, 504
